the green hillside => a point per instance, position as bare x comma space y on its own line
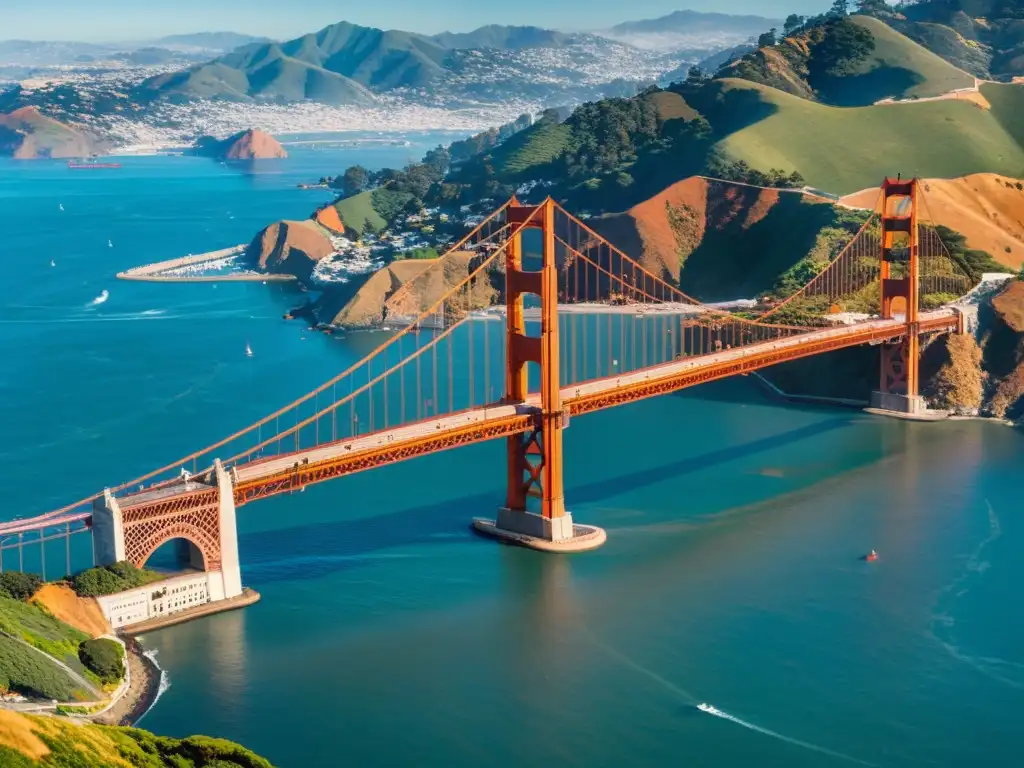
851, 62
28, 741
358, 214
531, 149
843, 150
898, 68
338, 64
1007, 107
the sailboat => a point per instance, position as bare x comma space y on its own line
61, 206
110, 243
53, 263
248, 350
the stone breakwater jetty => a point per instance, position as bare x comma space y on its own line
189, 269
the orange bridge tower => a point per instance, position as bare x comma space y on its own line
534, 458
899, 279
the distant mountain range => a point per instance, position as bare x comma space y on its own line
504, 38
690, 29
346, 63
43, 53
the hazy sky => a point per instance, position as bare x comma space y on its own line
115, 20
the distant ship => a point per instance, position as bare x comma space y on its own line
79, 165
248, 350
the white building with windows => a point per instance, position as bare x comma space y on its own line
161, 598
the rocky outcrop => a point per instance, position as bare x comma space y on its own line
328, 217
27, 134
290, 247
247, 145
1004, 353
403, 290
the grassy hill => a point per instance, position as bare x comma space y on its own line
898, 67
27, 672
844, 150
852, 62
985, 37
531, 149
338, 64
36, 742
358, 214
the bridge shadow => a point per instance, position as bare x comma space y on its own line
319, 549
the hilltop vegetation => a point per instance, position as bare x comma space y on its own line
984, 37
36, 742
29, 673
108, 579
338, 64
848, 61
844, 150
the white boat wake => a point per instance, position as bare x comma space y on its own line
707, 708
104, 295
710, 710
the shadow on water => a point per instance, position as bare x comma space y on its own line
316, 550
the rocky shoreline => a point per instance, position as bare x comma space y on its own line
142, 690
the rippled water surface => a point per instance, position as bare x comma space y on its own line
388, 635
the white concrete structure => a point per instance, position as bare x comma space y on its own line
162, 598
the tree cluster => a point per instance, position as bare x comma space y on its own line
489, 139
725, 168
608, 134
108, 579
104, 657
20, 586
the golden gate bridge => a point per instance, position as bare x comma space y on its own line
550, 322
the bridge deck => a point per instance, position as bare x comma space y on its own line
292, 471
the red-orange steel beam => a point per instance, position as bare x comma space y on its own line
296, 478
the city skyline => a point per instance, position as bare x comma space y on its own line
124, 20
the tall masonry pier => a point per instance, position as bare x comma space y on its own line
200, 512
534, 457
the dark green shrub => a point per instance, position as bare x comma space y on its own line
108, 579
104, 657
20, 586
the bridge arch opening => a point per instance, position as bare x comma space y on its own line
176, 554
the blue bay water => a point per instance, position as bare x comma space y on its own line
389, 635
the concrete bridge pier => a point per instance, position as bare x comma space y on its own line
198, 515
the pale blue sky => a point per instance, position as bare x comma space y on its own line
115, 20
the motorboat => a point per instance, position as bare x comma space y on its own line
871, 556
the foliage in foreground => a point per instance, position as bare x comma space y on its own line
25, 672
104, 657
29, 622
108, 579
93, 746
20, 586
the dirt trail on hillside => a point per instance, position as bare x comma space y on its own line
986, 208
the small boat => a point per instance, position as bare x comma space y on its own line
871, 556
248, 350
110, 243
707, 708
53, 263
61, 205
